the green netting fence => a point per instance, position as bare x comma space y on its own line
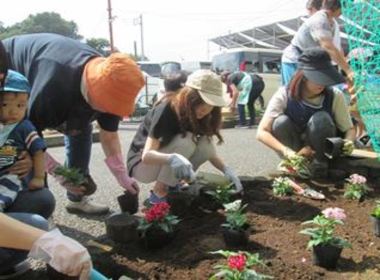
362, 25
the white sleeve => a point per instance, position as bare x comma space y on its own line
277, 104
341, 112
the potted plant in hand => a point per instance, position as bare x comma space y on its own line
375, 216
326, 247
356, 187
157, 227
235, 229
296, 165
75, 178
281, 186
239, 266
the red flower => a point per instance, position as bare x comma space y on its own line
157, 212
237, 262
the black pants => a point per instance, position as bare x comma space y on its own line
257, 88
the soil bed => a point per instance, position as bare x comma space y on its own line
275, 224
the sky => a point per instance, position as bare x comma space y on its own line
172, 30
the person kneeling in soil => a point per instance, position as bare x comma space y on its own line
175, 137
301, 116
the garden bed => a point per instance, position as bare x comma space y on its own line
275, 223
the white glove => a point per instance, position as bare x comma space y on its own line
63, 254
182, 167
230, 174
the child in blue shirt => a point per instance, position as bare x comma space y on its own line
16, 135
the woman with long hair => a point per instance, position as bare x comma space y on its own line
176, 136
301, 116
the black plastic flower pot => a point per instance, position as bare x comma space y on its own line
156, 238
55, 275
326, 255
128, 202
180, 203
235, 238
122, 227
376, 225
206, 200
333, 147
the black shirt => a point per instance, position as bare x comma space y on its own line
54, 64
159, 123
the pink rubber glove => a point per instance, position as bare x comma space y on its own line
62, 253
116, 165
50, 165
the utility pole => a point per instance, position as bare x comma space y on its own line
110, 19
139, 21
142, 37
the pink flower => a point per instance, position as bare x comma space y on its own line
237, 262
334, 213
357, 179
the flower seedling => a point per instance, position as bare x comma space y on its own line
296, 165
222, 194
239, 266
235, 218
376, 211
72, 176
356, 187
281, 186
323, 233
158, 217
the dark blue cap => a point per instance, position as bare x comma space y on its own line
15, 82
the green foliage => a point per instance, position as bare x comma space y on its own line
49, 22
282, 187
100, 44
235, 218
244, 272
355, 191
71, 175
322, 234
376, 210
297, 165
222, 194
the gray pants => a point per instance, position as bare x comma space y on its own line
319, 127
197, 153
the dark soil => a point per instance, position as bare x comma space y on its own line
275, 223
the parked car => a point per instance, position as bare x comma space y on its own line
151, 68
191, 66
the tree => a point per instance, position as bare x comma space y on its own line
43, 22
100, 44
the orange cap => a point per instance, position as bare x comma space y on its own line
113, 83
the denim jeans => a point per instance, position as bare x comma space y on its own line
78, 154
11, 257
287, 72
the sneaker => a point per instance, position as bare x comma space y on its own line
318, 169
17, 270
153, 199
87, 206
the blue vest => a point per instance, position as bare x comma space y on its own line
300, 111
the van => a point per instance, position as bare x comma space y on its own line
191, 66
151, 68
264, 62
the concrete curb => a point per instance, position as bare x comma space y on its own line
56, 139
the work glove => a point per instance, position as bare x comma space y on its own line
63, 254
50, 165
230, 174
288, 153
117, 167
182, 167
348, 147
